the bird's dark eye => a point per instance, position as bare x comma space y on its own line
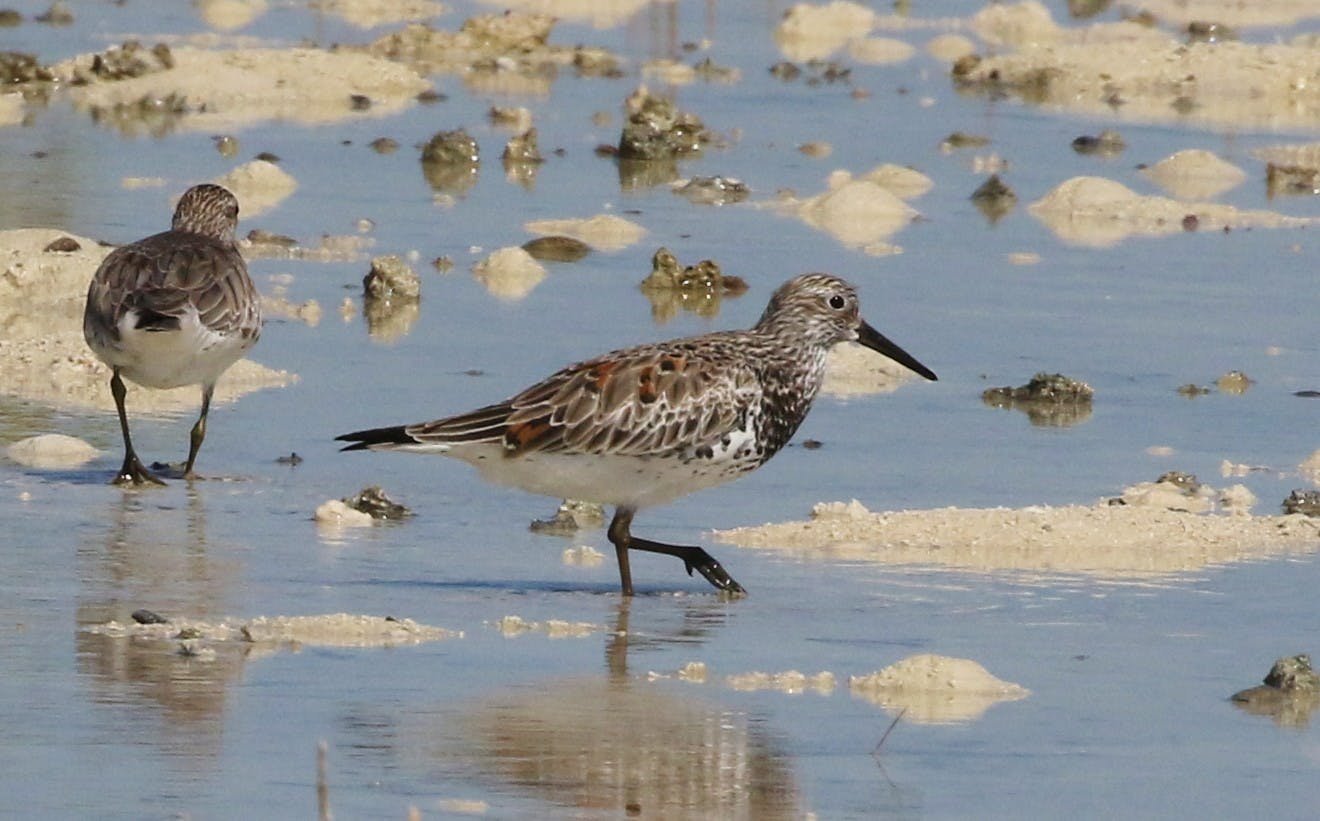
837, 302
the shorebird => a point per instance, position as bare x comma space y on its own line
176, 308
642, 426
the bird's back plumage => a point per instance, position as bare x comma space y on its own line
193, 286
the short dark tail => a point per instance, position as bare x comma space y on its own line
366, 439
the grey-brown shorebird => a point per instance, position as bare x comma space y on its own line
642, 426
177, 308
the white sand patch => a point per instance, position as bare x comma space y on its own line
512, 626
230, 15
135, 183
604, 232
693, 671
369, 14
858, 212
43, 354
1301, 155
810, 32
1232, 12
583, 556
1195, 174
12, 109
1112, 541
904, 183
880, 51
51, 451
1310, 468
332, 630
1145, 74
334, 514
933, 689
599, 14
950, 48
852, 370
509, 273
231, 89
1098, 212
259, 186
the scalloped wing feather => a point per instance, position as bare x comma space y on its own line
642, 401
166, 275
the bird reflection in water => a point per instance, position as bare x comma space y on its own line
620, 744
155, 557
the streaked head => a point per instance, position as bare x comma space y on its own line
821, 309
209, 210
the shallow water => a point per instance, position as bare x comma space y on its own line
1127, 713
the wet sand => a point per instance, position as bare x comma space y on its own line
1104, 540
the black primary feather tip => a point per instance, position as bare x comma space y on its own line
364, 439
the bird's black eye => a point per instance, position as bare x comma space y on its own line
837, 302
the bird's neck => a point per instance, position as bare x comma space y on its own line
789, 384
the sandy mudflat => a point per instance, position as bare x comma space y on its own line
331, 630
43, 355
227, 89
932, 689
1118, 541
1138, 73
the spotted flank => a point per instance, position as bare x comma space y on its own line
643, 426
177, 308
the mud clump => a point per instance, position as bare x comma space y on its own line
63, 245
994, 199
489, 49
697, 288
1305, 502
1290, 694
448, 147
124, 62
1291, 179
556, 248
812, 72
657, 130
522, 158
19, 68
1178, 491
391, 291
571, 517
373, 502
523, 149
1049, 400
1234, 382
961, 139
1108, 143
450, 161
713, 190
391, 278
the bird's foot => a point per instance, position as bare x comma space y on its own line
133, 473
714, 572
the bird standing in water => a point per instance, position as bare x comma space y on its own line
177, 308
642, 426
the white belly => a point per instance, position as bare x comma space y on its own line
192, 355
628, 481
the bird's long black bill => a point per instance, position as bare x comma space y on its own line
879, 343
